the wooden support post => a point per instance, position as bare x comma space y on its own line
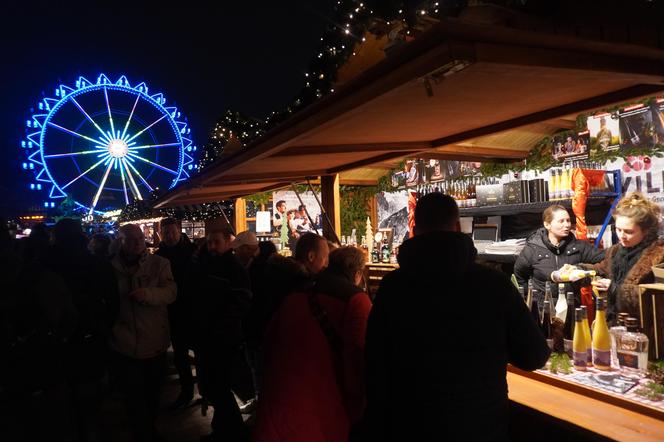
329, 189
240, 215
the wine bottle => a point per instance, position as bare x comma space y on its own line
546, 323
385, 253
375, 254
586, 330
529, 294
548, 296
580, 348
561, 305
568, 329
534, 309
633, 347
601, 347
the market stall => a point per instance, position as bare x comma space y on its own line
468, 92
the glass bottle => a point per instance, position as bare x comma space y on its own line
546, 323
534, 310
586, 330
568, 328
632, 349
548, 297
385, 252
579, 346
375, 254
601, 347
561, 304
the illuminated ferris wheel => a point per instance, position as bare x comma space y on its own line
106, 144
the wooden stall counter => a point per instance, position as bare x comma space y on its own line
374, 272
579, 407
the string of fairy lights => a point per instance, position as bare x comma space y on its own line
352, 20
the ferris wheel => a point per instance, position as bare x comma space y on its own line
106, 144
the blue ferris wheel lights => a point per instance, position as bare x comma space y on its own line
116, 149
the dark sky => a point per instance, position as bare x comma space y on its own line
206, 58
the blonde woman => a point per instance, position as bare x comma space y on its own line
628, 263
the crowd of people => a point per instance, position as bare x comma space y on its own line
297, 340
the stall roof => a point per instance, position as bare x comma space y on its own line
459, 91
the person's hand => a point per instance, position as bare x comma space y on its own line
139, 295
562, 274
601, 284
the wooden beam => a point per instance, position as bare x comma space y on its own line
332, 204
352, 148
240, 215
599, 101
480, 151
249, 178
627, 94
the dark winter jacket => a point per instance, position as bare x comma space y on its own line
625, 297
179, 255
440, 335
540, 257
221, 299
280, 277
93, 287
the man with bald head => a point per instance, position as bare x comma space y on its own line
140, 335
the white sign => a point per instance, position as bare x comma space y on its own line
642, 173
263, 224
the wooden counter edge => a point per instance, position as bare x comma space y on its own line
579, 409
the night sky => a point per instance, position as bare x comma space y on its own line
205, 58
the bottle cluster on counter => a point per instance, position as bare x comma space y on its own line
589, 345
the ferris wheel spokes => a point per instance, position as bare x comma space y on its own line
64, 129
101, 186
71, 154
110, 116
158, 166
127, 163
124, 131
89, 118
94, 166
137, 193
155, 146
146, 128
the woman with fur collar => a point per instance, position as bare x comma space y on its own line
629, 263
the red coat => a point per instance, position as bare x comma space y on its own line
303, 398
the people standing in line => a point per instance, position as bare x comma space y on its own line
37, 319
140, 335
99, 245
314, 358
629, 263
261, 290
178, 250
549, 248
91, 282
313, 252
440, 335
245, 246
222, 297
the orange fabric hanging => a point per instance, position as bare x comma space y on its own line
582, 179
412, 202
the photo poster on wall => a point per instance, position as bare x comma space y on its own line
638, 125
293, 205
441, 170
392, 210
604, 131
570, 146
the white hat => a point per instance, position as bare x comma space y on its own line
245, 238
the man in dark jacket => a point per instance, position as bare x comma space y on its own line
178, 249
440, 335
221, 300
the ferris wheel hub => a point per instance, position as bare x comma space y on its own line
117, 148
